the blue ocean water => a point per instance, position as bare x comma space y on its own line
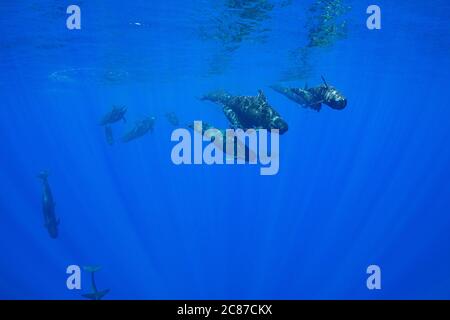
366, 185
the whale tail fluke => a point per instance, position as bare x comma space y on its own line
92, 268
43, 175
96, 295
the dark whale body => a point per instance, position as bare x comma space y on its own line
248, 112
48, 207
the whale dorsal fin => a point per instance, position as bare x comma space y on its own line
323, 79
262, 96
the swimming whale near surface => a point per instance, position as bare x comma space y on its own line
48, 207
113, 116
314, 97
140, 129
248, 112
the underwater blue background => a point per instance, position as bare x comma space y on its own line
366, 185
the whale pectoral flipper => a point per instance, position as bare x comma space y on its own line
232, 117
315, 106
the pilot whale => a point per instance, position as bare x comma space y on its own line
314, 97
140, 129
48, 207
248, 112
116, 114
